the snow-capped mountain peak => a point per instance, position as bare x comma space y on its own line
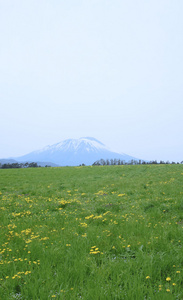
72, 152
88, 143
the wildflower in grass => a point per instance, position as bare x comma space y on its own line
53, 296
168, 290
89, 217
177, 272
98, 217
94, 250
148, 277
168, 279
83, 224
128, 246
174, 283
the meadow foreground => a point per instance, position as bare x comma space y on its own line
112, 232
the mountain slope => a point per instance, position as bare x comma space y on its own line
72, 152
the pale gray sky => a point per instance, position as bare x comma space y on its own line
112, 70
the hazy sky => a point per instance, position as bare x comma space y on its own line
112, 70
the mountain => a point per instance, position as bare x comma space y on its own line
7, 161
73, 152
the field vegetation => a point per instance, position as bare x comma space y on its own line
99, 232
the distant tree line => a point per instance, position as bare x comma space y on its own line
101, 162
19, 165
112, 162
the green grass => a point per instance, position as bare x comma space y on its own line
112, 232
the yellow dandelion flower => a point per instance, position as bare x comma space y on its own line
147, 277
168, 279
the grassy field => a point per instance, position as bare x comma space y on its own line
112, 232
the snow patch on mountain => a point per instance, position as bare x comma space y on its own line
90, 144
